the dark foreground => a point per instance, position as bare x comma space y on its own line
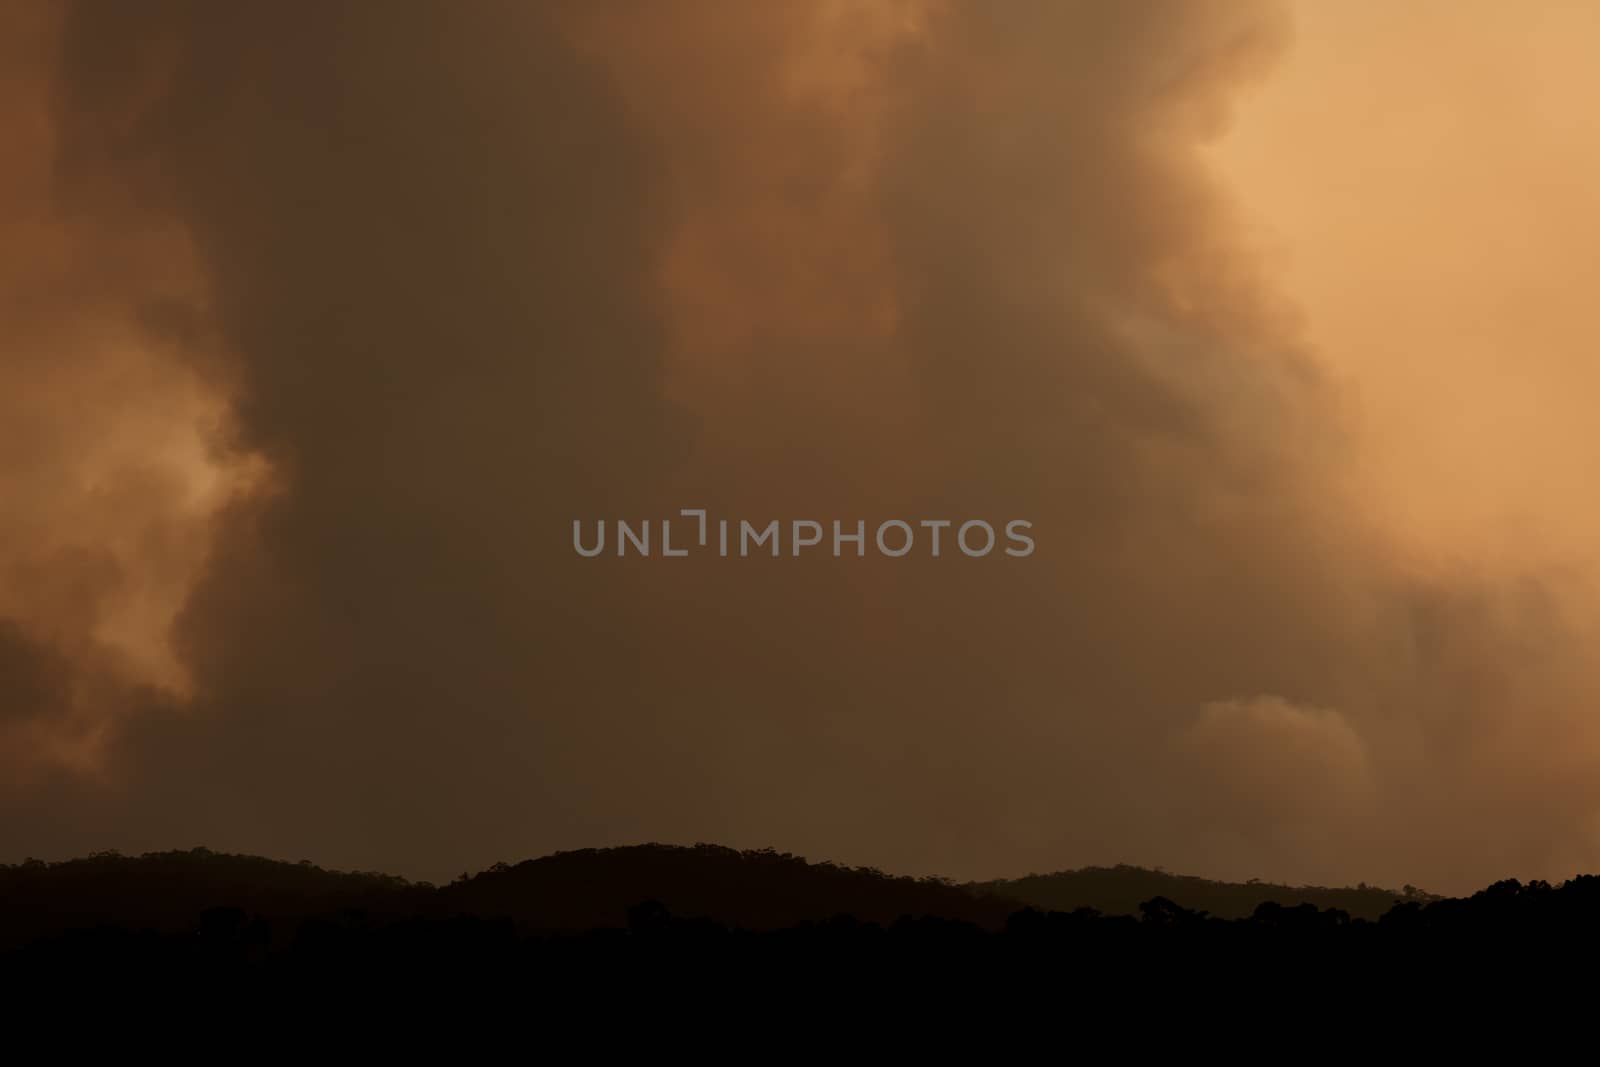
760, 921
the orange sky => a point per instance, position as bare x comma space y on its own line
1426, 179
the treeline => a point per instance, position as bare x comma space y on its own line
1122, 889
1166, 948
595, 915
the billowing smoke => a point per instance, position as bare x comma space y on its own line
114, 452
400, 294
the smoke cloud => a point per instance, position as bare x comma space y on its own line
332, 320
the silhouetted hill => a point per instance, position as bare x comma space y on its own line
752, 890
1122, 889
564, 892
644, 925
167, 890
596, 888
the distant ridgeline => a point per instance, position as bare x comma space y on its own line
593, 915
1122, 889
596, 888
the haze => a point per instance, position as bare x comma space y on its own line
320, 325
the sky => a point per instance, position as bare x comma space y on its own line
319, 328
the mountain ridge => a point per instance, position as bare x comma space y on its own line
1123, 888
595, 888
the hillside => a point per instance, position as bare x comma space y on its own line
564, 892
752, 890
166, 891
1120, 890
593, 889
